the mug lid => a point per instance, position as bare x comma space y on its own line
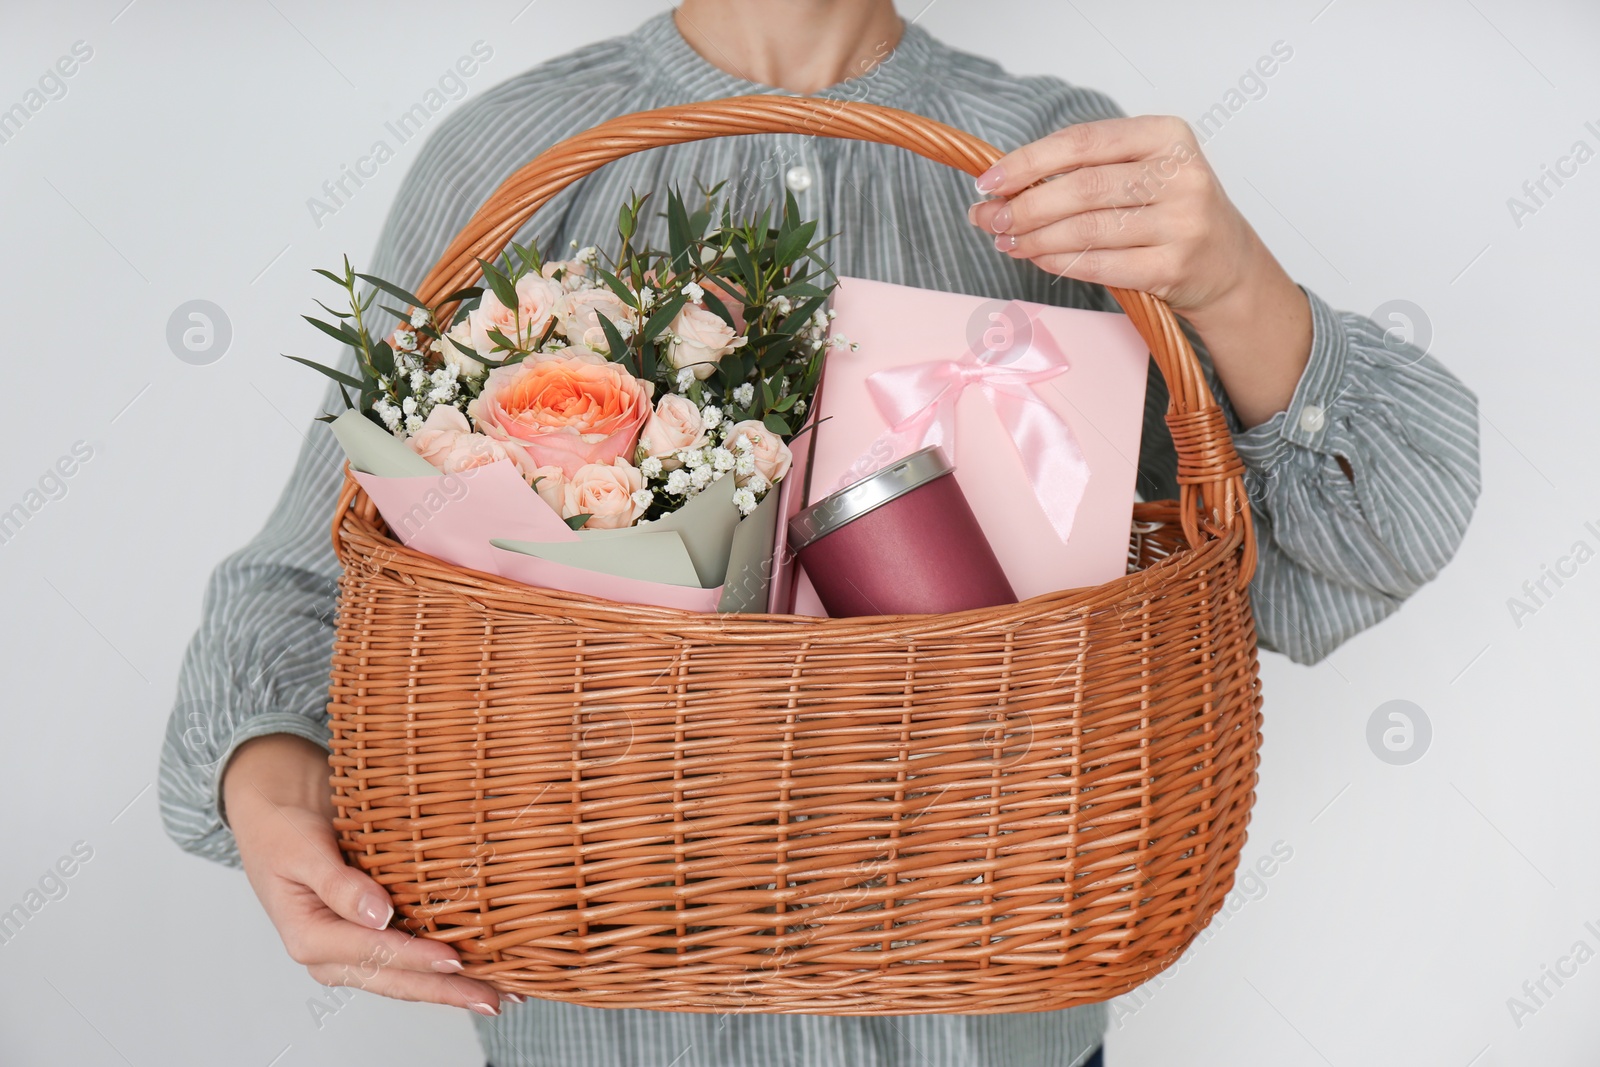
876, 489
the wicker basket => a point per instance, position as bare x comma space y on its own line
1003, 810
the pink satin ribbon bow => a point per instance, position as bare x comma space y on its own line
918, 401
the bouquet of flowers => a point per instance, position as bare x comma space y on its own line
619, 387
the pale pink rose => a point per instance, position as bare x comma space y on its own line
465, 365
446, 440
578, 317
438, 434
771, 455
702, 338
564, 409
605, 492
472, 450
551, 485
574, 271
536, 298
734, 305
676, 424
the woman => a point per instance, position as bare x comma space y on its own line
1362, 459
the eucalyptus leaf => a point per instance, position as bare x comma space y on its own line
337, 375
499, 284
391, 289
341, 333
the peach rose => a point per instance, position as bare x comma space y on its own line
772, 457
562, 410
551, 485
676, 424
578, 317
446, 440
702, 338
536, 300
607, 494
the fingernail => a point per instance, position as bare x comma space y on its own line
990, 179
1002, 220
483, 1007
376, 910
1005, 242
515, 998
447, 965
972, 212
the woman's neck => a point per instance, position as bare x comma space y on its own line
798, 45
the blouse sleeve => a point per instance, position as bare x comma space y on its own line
1341, 551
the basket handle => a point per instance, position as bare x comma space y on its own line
1212, 498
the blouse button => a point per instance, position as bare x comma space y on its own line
798, 179
1312, 418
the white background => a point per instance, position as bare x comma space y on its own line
1377, 165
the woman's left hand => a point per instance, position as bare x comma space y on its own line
1132, 203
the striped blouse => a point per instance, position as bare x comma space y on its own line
1338, 554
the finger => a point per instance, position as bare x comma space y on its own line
1084, 144
1122, 268
316, 862
1115, 185
325, 938
457, 992
1115, 228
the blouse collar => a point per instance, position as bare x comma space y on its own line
671, 61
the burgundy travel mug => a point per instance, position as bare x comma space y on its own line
901, 541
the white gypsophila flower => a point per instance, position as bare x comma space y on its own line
692, 457
832, 314
700, 477
419, 316
409, 405
624, 329
744, 500
685, 378
388, 413
722, 459
419, 379
647, 296
442, 375
745, 464
587, 254
743, 443
678, 482
413, 423
819, 317
783, 386
743, 394
757, 483
405, 340
651, 467
711, 414
799, 407
693, 291
644, 498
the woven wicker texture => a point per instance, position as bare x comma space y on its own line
1004, 810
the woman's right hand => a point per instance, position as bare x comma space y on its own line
332, 918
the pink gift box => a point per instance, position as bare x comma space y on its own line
1068, 383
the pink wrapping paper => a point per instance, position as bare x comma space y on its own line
454, 517
1100, 397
